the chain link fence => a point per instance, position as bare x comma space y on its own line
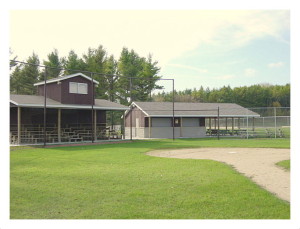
270, 122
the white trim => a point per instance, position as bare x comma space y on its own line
13, 102
66, 77
202, 116
133, 103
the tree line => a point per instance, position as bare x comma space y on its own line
113, 85
262, 95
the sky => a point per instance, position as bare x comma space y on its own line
209, 48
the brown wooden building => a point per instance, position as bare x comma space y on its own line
69, 106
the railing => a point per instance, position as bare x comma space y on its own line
34, 134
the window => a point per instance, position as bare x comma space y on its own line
73, 87
78, 88
146, 121
177, 122
201, 121
82, 88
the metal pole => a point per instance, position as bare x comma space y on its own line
173, 110
275, 121
19, 125
45, 105
247, 125
59, 125
218, 123
95, 125
93, 99
130, 88
124, 126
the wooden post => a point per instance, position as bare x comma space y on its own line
253, 127
19, 125
232, 124
180, 126
226, 123
215, 123
239, 124
59, 125
210, 123
95, 125
149, 124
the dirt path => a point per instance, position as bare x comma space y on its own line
256, 163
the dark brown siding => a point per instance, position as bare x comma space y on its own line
60, 92
81, 117
35, 116
101, 117
136, 113
53, 91
70, 98
13, 115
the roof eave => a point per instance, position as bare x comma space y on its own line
203, 116
64, 106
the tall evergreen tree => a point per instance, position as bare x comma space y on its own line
26, 75
144, 73
15, 80
73, 64
94, 62
54, 63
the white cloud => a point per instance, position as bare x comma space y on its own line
276, 65
165, 34
250, 72
225, 77
188, 67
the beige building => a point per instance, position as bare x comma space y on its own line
191, 120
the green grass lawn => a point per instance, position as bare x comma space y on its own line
119, 181
285, 164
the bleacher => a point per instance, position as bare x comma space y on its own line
34, 134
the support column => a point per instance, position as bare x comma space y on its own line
215, 123
253, 124
95, 125
124, 125
180, 126
19, 125
209, 120
59, 125
149, 127
226, 123
232, 124
239, 124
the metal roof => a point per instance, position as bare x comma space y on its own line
35, 101
164, 109
52, 80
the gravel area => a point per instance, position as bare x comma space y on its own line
259, 164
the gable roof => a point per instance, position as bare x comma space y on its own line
165, 109
35, 101
66, 77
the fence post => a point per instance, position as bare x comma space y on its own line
275, 121
247, 125
218, 123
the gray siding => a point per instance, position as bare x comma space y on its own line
166, 132
190, 122
136, 113
161, 122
